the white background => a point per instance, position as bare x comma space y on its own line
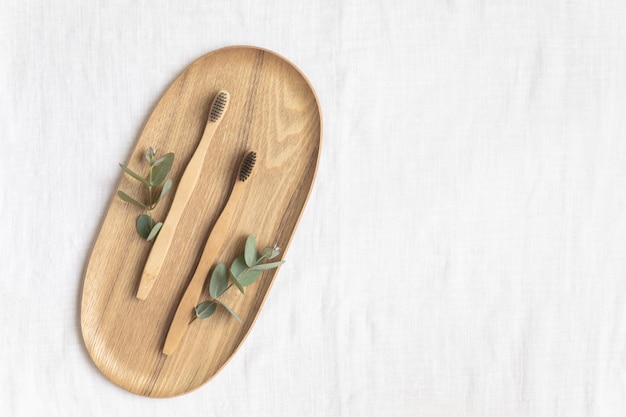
463, 250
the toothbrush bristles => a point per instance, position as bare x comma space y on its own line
219, 104
247, 165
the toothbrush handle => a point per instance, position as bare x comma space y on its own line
185, 311
183, 194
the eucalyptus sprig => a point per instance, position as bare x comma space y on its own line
244, 271
147, 227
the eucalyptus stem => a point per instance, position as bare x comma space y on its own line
147, 227
244, 271
150, 198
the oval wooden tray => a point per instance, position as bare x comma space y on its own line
274, 110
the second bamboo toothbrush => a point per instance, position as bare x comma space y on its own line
181, 198
211, 250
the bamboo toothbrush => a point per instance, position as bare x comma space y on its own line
211, 250
183, 194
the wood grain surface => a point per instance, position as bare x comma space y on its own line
274, 110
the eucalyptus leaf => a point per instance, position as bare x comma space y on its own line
130, 200
134, 175
250, 255
150, 153
271, 252
144, 225
275, 252
165, 189
236, 283
269, 265
243, 273
219, 281
238, 266
249, 278
154, 231
205, 309
230, 310
160, 169
160, 160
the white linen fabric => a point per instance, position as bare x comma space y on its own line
463, 250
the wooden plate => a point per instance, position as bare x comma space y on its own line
274, 110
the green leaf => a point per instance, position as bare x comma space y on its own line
249, 278
154, 231
275, 252
243, 274
160, 169
230, 310
134, 175
165, 189
162, 159
271, 252
150, 153
237, 283
219, 281
269, 265
238, 266
144, 225
205, 309
250, 255
130, 200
